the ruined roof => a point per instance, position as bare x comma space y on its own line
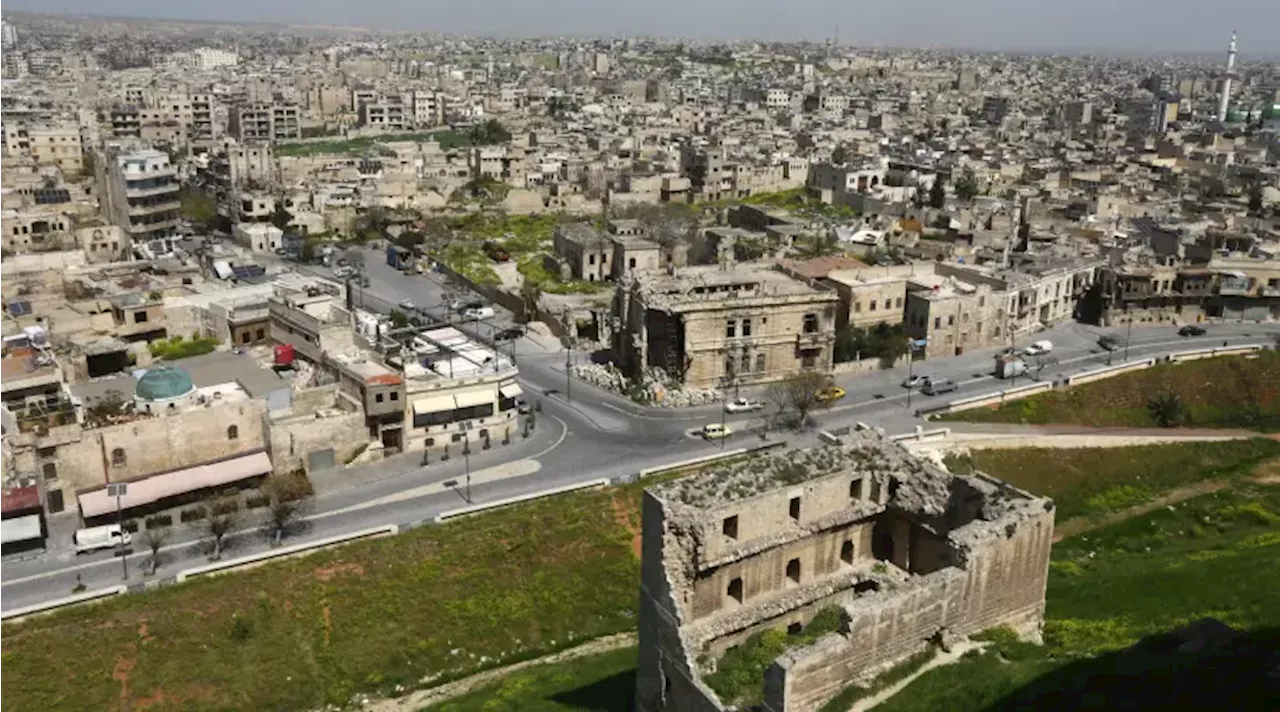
710, 283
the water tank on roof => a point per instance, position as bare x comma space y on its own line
284, 355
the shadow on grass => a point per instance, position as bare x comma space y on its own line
1206, 665
612, 694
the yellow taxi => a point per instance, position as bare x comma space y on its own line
830, 394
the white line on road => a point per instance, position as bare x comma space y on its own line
564, 432
518, 468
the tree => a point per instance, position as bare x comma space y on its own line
410, 239
197, 207
111, 403
489, 132
354, 258
288, 496
967, 187
799, 394
1166, 410
1254, 192
938, 194
281, 217
846, 346
155, 537
530, 294
840, 156
399, 319
220, 516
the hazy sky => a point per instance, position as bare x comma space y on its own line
1139, 25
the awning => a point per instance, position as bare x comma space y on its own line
434, 404
511, 390
20, 529
158, 487
470, 399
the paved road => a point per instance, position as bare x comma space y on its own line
588, 435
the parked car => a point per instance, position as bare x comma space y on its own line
522, 406
1191, 330
509, 334
1110, 342
407, 304
478, 313
914, 381
464, 303
104, 537
1038, 348
936, 386
716, 431
742, 405
830, 394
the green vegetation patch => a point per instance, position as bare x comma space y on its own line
357, 146
441, 601
470, 262
1226, 392
739, 675
604, 682
176, 347
1098, 481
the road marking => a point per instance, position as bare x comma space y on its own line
642, 416
564, 432
517, 468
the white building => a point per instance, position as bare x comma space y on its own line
259, 237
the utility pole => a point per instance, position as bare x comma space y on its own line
466, 457
119, 490
1128, 336
911, 362
568, 373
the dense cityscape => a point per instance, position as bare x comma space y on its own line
374, 369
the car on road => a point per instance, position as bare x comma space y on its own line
716, 431
407, 304
830, 394
1191, 330
914, 381
936, 386
509, 334
1110, 342
743, 405
465, 303
1038, 348
104, 537
522, 406
478, 313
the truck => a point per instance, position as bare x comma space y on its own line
107, 536
1010, 365
399, 257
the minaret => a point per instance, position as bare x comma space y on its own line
1226, 80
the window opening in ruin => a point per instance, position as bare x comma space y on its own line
118, 457
795, 508
233, 432
875, 490
855, 489
795, 628
866, 587
894, 483
810, 323
730, 527
882, 542
730, 329
50, 470
846, 552
735, 589
793, 570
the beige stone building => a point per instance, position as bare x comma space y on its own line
713, 326
907, 554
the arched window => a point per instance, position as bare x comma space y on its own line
233, 432
118, 458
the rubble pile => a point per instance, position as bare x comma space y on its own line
654, 388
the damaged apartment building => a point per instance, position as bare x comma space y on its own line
908, 553
712, 326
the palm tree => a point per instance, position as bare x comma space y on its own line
1166, 410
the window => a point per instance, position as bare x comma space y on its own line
898, 302
730, 329
794, 509
730, 527
244, 337
855, 489
982, 301
793, 570
759, 363
631, 263
951, 320
118, 458
810, 323
746, 327
377, 398
846, 552
795, 628
233, 432
875, 490
139, 317
260, 334
395, 395
873, 305
937, 322
50, 470
808, 358
735, 589
591, 259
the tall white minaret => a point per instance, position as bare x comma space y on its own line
1226, 80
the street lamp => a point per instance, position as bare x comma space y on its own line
911, 361
466, 457
1128, 336
119, 490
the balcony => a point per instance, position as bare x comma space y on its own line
153, 227
153, 208
814, 339
147, 192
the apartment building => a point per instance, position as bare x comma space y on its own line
48, 144
712, 327
386, 115
139, 190
266, 122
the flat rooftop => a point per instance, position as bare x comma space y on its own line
211, 369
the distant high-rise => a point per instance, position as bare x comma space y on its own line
8, 35
1226, 79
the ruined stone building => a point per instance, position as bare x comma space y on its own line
909, 552
717, 327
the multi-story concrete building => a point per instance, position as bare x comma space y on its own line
387, 115
905, 555
713, 326
139, 190
266, 122
48, 144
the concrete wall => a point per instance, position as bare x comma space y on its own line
1002, 582
319, 419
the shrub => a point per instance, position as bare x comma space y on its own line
191, 515
160, 520
1166, 410
131, 526
257, 502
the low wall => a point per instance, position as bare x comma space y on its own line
866, 365
478, 508
18, 614
1099, 374
1002, 396
284, 551
1197, 354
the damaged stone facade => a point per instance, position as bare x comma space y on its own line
911, 552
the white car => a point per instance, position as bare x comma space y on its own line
478, 313
407, 304
742, 405
916, 381
1039, 348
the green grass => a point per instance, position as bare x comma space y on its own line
301, 633
1097, 481
176, 347
1212, 556
604, 682
357, 146
470, 262
739, 675
1226, 392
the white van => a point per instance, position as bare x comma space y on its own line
1039, 348
104, 537
478, 313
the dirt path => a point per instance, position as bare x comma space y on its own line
1267, 473
417, 700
